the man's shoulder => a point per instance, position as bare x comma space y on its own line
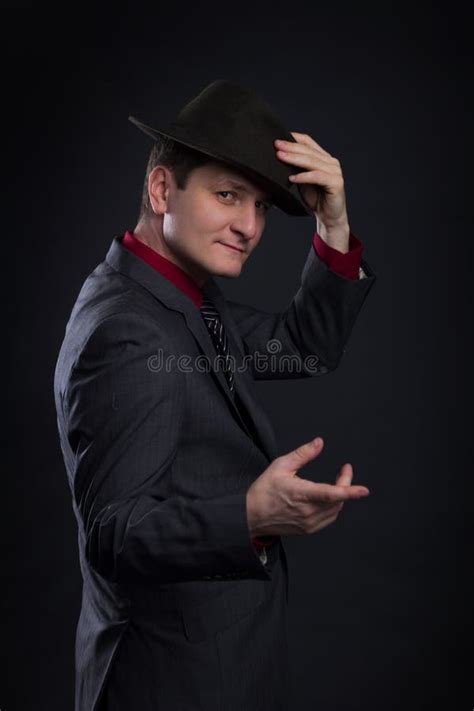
105, 294
108, 307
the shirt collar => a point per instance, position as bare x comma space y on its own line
164, 266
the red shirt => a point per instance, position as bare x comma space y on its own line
346, 264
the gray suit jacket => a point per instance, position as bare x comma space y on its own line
178, 611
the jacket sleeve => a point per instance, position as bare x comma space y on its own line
309, 337
344, 263
124, 423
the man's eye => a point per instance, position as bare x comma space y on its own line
266, 205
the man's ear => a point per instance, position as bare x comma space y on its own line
159, 182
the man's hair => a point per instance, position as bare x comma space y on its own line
180, 159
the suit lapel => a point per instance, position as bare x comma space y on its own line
243, 380
127, 263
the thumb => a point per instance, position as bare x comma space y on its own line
303, 454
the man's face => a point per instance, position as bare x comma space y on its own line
213, 226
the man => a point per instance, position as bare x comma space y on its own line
180, 496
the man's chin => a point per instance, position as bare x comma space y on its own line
227, 270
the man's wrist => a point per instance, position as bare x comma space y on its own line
336, 236
252, 516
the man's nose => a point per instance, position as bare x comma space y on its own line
247, 222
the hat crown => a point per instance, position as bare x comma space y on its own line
224, 101
241, 123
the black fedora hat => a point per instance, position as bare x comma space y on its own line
233, 124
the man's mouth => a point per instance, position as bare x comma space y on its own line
230, 246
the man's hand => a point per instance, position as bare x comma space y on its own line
279, 502
321, 185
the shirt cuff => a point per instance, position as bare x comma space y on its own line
346, 264
264, 541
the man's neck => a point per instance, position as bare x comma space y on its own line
151, 234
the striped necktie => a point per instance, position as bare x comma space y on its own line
219, 337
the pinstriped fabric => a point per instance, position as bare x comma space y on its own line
219, 337
183, 478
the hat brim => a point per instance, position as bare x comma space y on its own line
282, 198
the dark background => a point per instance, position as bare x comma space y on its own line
380, 602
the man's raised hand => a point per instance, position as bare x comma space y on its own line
279, 502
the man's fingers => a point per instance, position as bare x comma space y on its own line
344, 478
303, 454
317, 492
329, 493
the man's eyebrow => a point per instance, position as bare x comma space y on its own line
240, 186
